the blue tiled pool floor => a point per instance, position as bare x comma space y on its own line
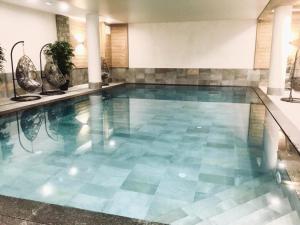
180, 161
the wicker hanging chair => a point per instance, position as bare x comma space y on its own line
294, 75
27, 75
53, 74
295, 83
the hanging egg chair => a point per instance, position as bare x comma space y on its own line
53, 74
27, 75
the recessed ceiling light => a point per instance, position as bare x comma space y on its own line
32, 1
49, 3
63, 6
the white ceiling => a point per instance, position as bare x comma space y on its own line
136, 11
133, 11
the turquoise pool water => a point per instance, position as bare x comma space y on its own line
173, 154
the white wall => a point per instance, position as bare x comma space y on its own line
205, 44
23, 24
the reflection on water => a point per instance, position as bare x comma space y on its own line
6, 146
151, 152
31, 121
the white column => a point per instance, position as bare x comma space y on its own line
279, 53
93, 45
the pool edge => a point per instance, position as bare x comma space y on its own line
288, 128
20, 211
48, 100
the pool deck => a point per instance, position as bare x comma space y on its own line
7, 106
15, 211
286, 114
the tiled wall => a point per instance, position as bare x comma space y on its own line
79, 76
224, 77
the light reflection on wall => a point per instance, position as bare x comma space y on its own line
116, 119
263, 135
271, 142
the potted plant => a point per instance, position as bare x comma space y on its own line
2, 59
62, 53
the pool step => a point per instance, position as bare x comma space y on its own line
234, 214
261, 207
265, 215
188, 220
227, 200
222, 201
288, 219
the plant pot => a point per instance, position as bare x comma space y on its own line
65, 86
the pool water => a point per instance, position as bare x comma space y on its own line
171, 154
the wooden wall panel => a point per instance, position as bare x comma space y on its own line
263, 44
78, 31
119, 45
105, 41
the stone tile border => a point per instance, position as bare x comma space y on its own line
288, 128
176, 76
14, 211
79, 76
16, 106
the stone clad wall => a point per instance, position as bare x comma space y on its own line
78, 77
219, 77
62, 28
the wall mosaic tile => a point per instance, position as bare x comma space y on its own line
218, 77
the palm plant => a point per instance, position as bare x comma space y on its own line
62, 53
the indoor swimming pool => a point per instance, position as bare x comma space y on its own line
171, 154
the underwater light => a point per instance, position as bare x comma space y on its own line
112, 143
73, 171
47, 190
182, 175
